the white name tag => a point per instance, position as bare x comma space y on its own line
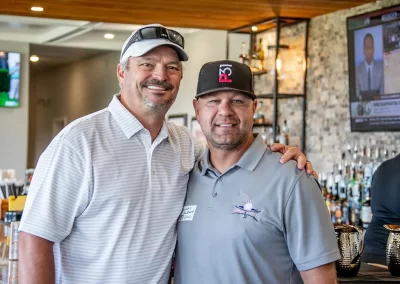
187, 213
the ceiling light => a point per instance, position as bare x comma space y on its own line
34, 58
37, 9
254, 28
109, 36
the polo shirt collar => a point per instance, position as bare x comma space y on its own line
253, 155
128, 123
248, 161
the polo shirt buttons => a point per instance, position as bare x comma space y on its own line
221, 179
214, 194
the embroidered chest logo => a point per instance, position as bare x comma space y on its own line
247, 209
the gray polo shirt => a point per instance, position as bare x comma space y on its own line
259, 222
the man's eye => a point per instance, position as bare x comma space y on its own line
146, 64
173, 68
237, 101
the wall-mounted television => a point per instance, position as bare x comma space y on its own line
10, 63
374, 70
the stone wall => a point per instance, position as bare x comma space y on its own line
328, 118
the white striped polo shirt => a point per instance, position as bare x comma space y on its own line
109, 198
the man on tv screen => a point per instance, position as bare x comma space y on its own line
369, 73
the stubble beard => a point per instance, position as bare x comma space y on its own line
157, 107
231, 144
148, 105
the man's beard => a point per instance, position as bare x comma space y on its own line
153, 106
228, 145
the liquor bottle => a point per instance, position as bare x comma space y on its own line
261, 54
368, 170
284, 135
322, 182
244, 57
385, 154
338, 198
353, 189
338, 213
328, 197
378, 159
346, 208
255, 61
352, 207
270, 136
259, 117
342, 184
347, 162
366, 212
335, 190
393, 153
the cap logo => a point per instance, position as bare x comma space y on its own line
225, 72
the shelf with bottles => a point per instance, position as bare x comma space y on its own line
259, 58
255, 51
347, 188
263, 124
276, 51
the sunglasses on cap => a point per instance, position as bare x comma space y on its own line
155, 33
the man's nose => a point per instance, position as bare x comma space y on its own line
225, 108
160, 73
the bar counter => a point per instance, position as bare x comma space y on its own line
371, 274
367, 274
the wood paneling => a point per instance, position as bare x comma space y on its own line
208, 14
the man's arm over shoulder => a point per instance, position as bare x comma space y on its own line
308, 230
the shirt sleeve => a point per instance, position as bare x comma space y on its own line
310, 235
59, 192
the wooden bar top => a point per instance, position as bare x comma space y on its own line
371, 274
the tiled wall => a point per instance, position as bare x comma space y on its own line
328, 118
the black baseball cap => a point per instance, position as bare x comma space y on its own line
225, 75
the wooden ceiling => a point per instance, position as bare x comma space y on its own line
207, 14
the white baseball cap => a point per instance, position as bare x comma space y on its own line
141, 47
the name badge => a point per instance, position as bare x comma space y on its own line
187, 213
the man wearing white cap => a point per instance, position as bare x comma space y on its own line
107, 192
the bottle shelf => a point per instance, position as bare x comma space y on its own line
265, 51
283, 46
260, 72
262, 125
280, 96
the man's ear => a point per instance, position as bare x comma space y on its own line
255, 104
120, 74
196, 108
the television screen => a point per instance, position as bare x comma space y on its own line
374, 70
9, 78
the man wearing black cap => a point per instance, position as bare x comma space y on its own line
247, 218
106, 194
